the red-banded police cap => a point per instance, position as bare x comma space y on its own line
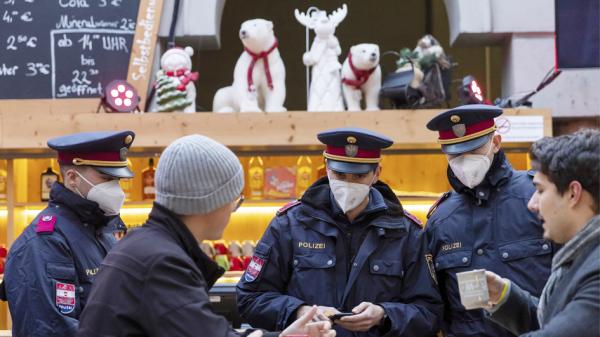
463, 128
106, 151
353, 150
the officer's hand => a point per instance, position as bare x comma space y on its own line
303, 325
322, 312
367, 315
495, 285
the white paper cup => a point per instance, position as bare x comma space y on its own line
473, 289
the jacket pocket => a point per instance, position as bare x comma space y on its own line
386, 267
314, 261
61, 271
525, 248
454, 259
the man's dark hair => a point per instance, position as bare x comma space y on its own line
572, 157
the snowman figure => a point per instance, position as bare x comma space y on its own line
175, 89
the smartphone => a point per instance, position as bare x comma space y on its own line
340, 315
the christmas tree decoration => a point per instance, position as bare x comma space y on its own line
175, 89
325, 87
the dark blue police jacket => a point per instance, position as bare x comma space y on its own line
51, 265
311, 254
487, 227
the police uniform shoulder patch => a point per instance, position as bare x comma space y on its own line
429, 260
254, 268
287, 207
437, 203
65, 297
413, 218
45, 224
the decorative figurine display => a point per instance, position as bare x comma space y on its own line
259, 74
325, 87
425, 73
361, 75
175, 89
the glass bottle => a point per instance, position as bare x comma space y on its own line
304, 172
148, 190
256, 178
47, 179
127, 183
3, 185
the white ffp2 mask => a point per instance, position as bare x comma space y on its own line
471, 169
108, 195
348, 195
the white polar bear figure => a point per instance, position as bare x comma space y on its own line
259, 74
361, 75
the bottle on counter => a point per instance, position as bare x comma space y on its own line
47, 178
127, 183
256, 178
148, 190
3, 185
304, 173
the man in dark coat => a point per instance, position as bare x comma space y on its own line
566, 200
348, 246
156, 280
484, 221
52, 264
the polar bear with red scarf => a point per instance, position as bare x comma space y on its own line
361, 75
259, 74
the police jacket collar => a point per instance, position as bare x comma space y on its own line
322, 206
498, 174
86, 210
164, 219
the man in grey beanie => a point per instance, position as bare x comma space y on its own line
155, 282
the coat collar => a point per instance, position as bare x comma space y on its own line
165, 219
86, 210
321, 207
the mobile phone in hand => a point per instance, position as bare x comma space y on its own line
339, 315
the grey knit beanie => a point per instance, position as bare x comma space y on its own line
196, 175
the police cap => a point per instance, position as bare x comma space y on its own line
105, 151
464, 128
353, 150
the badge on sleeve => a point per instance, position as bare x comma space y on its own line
254, 268
65, 297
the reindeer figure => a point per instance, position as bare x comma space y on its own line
325, 87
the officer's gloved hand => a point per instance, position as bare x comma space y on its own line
366, 315
305, 326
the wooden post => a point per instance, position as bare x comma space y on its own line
142, 48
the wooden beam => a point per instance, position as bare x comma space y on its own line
238, 130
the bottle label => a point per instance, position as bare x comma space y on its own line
149, 190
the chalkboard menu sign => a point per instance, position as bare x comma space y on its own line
64, 48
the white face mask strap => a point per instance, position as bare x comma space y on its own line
82, 177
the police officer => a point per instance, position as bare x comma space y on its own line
348, 246
484, 221
51, 265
